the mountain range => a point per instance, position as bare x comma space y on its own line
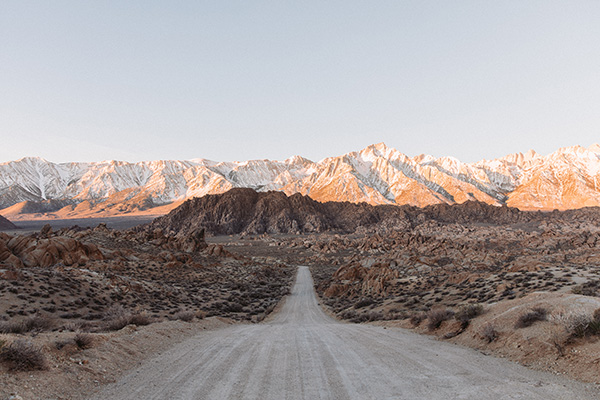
378, 174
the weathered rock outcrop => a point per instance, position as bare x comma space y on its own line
44, 250
251, 212
245, 210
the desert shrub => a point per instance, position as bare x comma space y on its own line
80, 326
489, 332
11, 327
186, 316
417, 318
88, 327
436, 316
559, 340
589, 288
593, 327
529, 318
34, 323
70, 315
367, 317
140, 319
395, 315
38, 323
114, 312
232, 307
116, 318
60, 343
117, 324
374, 316
349, 314
467, 312
367, 301
83, 340
71, 326
578, 323
22, 356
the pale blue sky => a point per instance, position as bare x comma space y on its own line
237, 80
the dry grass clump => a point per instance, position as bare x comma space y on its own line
371, 316
23, 356
578, 324
11, 327
186, 316
80, 326
117, 318
531, 317
349, 314
140, 319
367, 301
116, 324
34, 323
467, 312
417, 318
559, 342
84, 340
436, 316
358, 317
589, 288
81, 340
489, 332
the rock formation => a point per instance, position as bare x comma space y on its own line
45, 250
246, 211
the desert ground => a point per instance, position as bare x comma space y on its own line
302, 353
29, 226
86, 305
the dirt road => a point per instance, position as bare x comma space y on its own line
304, 354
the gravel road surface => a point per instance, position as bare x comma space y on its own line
304, 354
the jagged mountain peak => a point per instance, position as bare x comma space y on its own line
531, 155
298, 160
377, 174
574, 150
594, 148
27, 160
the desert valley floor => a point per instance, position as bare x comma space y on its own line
103, 307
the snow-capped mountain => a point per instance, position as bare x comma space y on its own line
567, 178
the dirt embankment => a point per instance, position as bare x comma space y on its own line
72, 371
555, 332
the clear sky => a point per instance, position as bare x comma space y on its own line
237, 80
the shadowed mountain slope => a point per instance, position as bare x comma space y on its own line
6, 224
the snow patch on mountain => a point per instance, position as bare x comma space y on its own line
377, 174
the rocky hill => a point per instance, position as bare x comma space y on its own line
565, 179
248, 211
6, 224
251, 212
